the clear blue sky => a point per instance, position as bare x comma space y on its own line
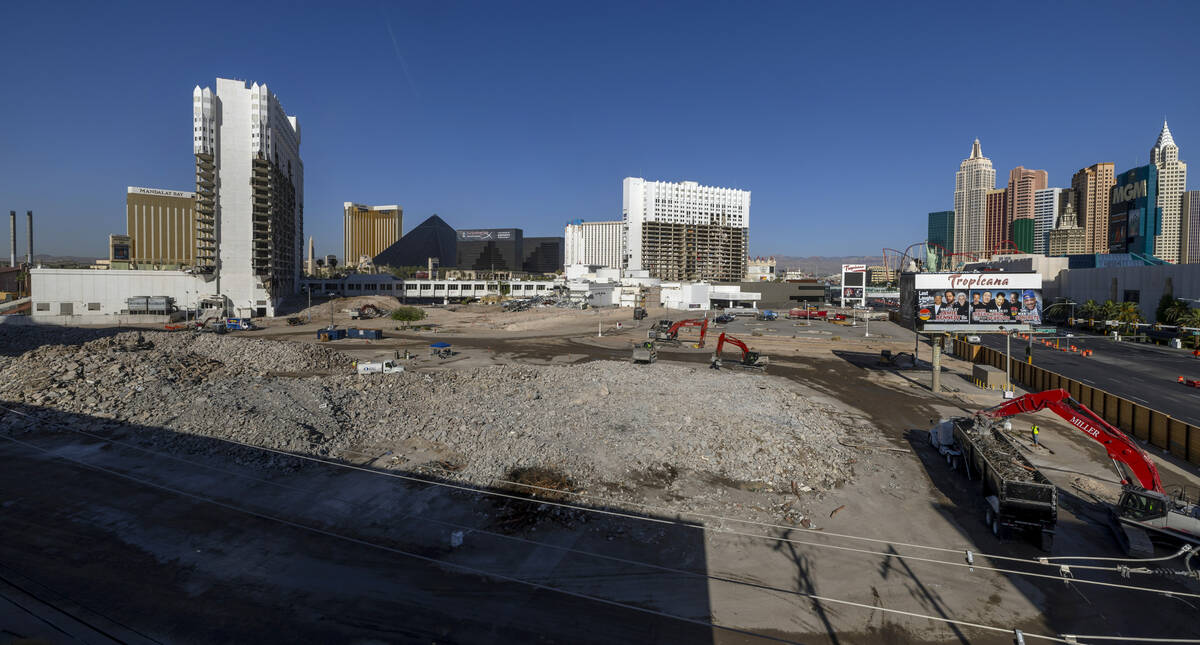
847, 121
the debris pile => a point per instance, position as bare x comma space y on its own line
597, 424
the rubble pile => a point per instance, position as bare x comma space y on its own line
598, 423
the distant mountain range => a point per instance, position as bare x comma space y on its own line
54, 260
822, 265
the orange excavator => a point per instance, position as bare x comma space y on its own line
1145, 509
671, 335
750, 360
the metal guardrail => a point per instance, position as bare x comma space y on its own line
1158, 428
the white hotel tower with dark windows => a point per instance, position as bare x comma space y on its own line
685, 231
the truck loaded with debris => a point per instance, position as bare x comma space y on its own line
1017, 496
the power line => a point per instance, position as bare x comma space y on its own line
507, 578
1064, 571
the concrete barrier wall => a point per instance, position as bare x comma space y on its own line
1162, 431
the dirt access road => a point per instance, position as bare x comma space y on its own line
158, 549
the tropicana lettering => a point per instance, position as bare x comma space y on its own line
959, 281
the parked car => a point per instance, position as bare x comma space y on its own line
974, 340
724, 319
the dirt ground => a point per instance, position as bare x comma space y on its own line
109, 542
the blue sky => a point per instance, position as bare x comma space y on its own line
847, 121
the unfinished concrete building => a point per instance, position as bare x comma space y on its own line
685, 231
693, 251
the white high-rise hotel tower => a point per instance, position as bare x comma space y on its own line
685, 231
975, 177
249, 195
1172, 178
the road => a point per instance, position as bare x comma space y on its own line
1143, 373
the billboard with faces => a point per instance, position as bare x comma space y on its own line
967, 299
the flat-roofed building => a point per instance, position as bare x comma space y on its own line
161, 225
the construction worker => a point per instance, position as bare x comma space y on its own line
1034, 430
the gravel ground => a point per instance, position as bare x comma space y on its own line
599, 423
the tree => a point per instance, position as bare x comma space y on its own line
1127, 313
1164, 303
1089, 310
1192, 319
1177, 310
408, 314
1109, 310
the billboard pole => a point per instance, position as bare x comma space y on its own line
1007, 361
936, 362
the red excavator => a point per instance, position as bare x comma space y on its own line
751, 360
671, 335
1145, 509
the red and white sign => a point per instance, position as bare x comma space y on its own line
854, 268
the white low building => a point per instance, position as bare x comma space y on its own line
596, 294
87, 296
702, 296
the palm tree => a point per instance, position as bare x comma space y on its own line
1089, 310
1127, 313
1192, 319
1106, 312
1176, 310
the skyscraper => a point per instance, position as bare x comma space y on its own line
941, 230
595, 243
250, 179
1023, 184
1172, 180
975, 177
1189, 228
685, 231
1092, 186
997, 231
1045, 217
368, 230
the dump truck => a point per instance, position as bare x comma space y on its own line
1147, 513
1017, 497
646, 352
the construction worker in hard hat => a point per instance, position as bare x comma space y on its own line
1034, 430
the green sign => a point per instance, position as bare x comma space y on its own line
1045, 330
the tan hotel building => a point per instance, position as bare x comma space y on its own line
162, 227
368, 230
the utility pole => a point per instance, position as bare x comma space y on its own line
936, 342
1007, 361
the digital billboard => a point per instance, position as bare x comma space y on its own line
1134, 217
983, 301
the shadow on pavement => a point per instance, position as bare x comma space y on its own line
221, 543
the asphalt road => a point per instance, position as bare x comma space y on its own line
1143, 373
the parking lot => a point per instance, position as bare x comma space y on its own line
748, 326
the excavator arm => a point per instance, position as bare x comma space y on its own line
1119, 446
725, 338
702, 323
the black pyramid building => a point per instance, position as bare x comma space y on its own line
432, 238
